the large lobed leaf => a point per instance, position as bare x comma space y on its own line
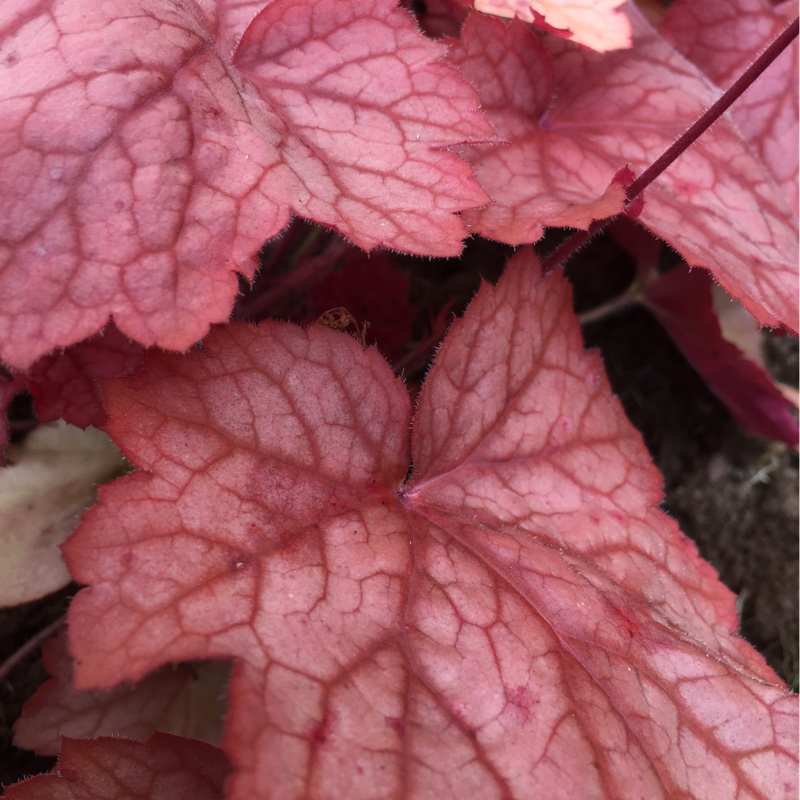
144, 161
572, 118
517, 619
51, 480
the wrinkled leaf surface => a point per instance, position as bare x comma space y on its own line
517, 619
144, 162
573, 118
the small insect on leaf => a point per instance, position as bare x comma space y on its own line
340, 319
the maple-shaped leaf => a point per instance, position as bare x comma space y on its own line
767, 112
163, 768
143, 166
517, 619
574, 118
50, 481
594, 23
185, 700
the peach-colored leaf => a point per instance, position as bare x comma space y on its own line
517, 619
536, 179
51, 479
717, 336
363, 100
573, 118
185, 700
142, 166
722, 37
594, 23
163, 768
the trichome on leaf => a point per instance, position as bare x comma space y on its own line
520, 605
478, 597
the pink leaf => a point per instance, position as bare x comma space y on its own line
98, 769
715, 205
539, 178
517, 620
682, 302
160, 702
65, 385
767, 113
594, 23
137, 180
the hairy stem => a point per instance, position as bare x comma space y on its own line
682, 143
703, 123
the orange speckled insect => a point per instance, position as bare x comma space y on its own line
340, 319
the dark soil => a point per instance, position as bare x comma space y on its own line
735, 495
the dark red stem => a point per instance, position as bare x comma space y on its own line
743, 82
682, 143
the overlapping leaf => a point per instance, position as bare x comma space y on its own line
574, 118
163, 767
142, 167
682, 302
65, 385
517, 619
594, 23
722, 37
717, 336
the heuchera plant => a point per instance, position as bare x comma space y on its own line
470, 595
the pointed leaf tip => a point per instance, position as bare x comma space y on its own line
136, 182
572, 118
518, 620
